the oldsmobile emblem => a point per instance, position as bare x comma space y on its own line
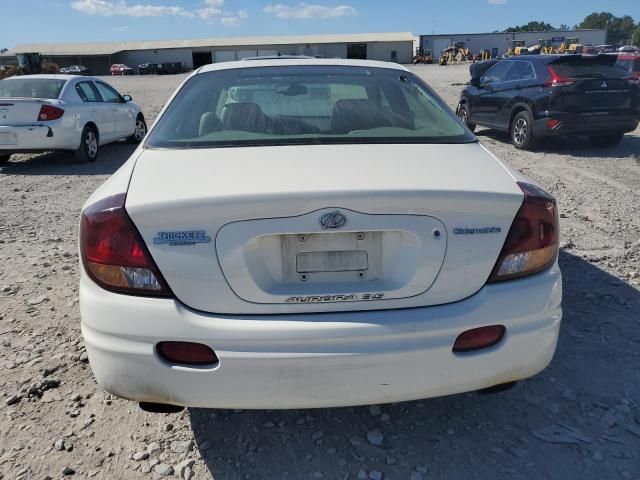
182, 239
333, 220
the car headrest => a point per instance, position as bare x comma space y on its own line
356, 114
209, 123
244, 116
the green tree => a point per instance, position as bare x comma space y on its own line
619, 29
565, 28
531, 27
635, 40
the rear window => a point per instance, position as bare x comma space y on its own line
24, 87
305, 105
630, 65
589, 70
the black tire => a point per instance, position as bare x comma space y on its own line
140, 132
521, 131
610, 140
464, 116
89, 145
4, 159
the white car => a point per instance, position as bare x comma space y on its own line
39, 113
314, 233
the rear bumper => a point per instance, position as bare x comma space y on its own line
319, 360
36, 137
584, 125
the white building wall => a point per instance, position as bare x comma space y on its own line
383, 51
133, 58
502, 41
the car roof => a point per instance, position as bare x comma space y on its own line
297, 61
47, 76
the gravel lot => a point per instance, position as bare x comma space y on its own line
580, 418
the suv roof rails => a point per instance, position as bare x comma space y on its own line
280, 57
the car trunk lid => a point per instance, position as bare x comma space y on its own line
322, 228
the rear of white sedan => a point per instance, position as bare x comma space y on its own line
315, 233
40, 113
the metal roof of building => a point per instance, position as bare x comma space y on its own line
110, 48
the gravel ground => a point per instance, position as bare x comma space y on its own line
580, 418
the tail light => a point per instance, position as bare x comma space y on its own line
113, 252
49, 112
532, 242
556, 80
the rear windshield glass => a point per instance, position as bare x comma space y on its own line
305, 105
25, 87
631, 65
589, 70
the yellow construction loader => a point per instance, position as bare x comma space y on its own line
455, 53
517, 48
571, 45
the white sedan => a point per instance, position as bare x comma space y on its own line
313, 233
60, 112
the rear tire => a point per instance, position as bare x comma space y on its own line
87, 152
140, 132
521, 131
465, 116
4, 159
610, 140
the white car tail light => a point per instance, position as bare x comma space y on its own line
49, 112
113, 252
532, 242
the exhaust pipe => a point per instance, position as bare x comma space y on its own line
159, 407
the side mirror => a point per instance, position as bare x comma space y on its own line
475, 81
127, 98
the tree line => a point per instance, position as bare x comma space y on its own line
620, 30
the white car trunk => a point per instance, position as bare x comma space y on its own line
21, 111
413, 225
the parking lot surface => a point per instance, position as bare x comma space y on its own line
580, 418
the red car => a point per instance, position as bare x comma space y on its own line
121, 69
631, 63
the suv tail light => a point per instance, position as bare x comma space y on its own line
532, 242
113, 252
556, 80
49, 112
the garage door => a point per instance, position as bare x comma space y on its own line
267, 53
223, 56
247, 53
440, 44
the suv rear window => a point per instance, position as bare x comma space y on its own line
630, 65
305, 105
25, 87
589, 70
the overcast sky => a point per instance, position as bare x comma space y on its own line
30, 21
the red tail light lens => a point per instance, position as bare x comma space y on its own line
113, 252
187, 353
477, 338
532, 242
49, 112
556, 80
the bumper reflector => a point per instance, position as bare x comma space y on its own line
551, 124
187, 353
478, 338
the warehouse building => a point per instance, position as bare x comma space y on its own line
98, 57
498, 43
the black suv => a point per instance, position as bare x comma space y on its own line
535, 96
